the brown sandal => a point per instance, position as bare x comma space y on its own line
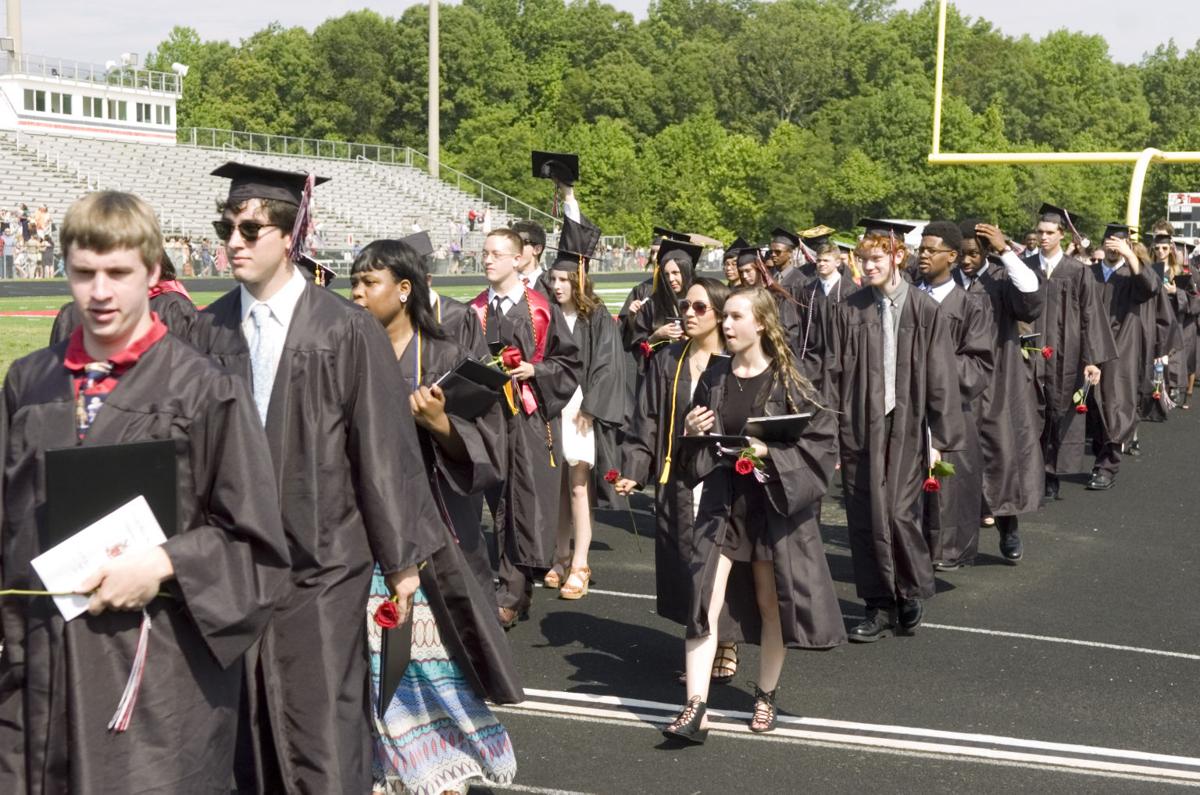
554, 578
581, 575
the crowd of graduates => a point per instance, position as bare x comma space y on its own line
328, 614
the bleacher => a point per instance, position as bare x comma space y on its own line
365, 199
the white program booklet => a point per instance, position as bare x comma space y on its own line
65, 566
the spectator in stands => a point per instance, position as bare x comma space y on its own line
41, 221
185, 258
4, 255
206, 257
23, 217
48, 262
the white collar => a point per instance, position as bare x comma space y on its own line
532, 277
940, 291
283, 303
1051, 263
828, 283
433, 297
514, 295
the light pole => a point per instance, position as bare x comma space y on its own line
434, 98
14, 26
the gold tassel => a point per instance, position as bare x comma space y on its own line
508, 394
666, 470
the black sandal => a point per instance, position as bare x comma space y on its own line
686, 725
725, 664
764, 711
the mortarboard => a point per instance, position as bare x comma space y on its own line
256, 182
1116, 229
420, 243
671, 247
784, 237
1162, 237
556, 165
732, 249
576, 244
1057, 215
817, 236
668, 234
313, 268
896, 228
747, 254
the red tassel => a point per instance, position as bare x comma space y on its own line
120, 719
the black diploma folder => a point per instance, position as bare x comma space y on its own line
471, 388
84, 484
784, 429
395, 651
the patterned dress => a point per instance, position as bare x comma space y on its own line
436, 735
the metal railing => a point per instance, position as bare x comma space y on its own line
66, 69
40, 150
210, 138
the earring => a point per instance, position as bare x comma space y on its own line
404, 298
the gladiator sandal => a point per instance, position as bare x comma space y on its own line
686, 725
725, 664
764, 710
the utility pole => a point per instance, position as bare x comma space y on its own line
434, 91
14, 25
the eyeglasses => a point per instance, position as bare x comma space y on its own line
249, 230
699, 307
932, 251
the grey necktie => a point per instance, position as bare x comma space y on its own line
264, 358
887, 310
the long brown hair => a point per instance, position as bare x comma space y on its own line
774, 343
585, 299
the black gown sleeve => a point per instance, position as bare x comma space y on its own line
604, 384
555, 375
799, 473
975, 352
639, 460
65, 322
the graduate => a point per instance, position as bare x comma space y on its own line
952, 513
562, 170
757, 509
1179, 285
1073, 326
783, 258
515, 316
648, 455
1007, 413
1123, 285
221, 571
833, 283
657, 319
729, 263
459, 655
894, 383
169, 299
595, 412
325, 383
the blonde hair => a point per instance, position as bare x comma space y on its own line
774, 343
108, 220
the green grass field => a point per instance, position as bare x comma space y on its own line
20, 335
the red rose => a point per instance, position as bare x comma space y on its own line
612, 475
646, 349
1047, 352
510, 357
387, 615
1081, 409
1156, 395
743, 466
931, 485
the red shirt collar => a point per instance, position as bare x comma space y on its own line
77, 356
169, 286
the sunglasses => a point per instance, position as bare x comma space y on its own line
699, 307
249, 230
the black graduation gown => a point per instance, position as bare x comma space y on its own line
644, 454
176, 312
805, 319
1123, 296
882, 474
352, 495
952, 514
634, 363
1183, 361
809, 611
1006, 412
1166, 339
458, 579
1074, 325
527, 514
602, 378
460, 325
60, 685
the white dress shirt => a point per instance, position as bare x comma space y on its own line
282, 306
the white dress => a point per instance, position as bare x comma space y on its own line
578, 448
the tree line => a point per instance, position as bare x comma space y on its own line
720, 116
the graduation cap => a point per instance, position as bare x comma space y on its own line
1057, 215
420, 243
747, 254
257, 182
1162, 237
732, 249
576, 244
668, 234
555, 165
784, 237
876, 226
1116, 229
817, 236
320, 274
677, 248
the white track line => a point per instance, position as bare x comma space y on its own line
1096, 767
994, 632
939, 734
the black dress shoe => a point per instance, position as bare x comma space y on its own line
1101, 481
1051, 487
1134, 449
1011, 548
878, 624
910, 614
946, 565
686, 725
